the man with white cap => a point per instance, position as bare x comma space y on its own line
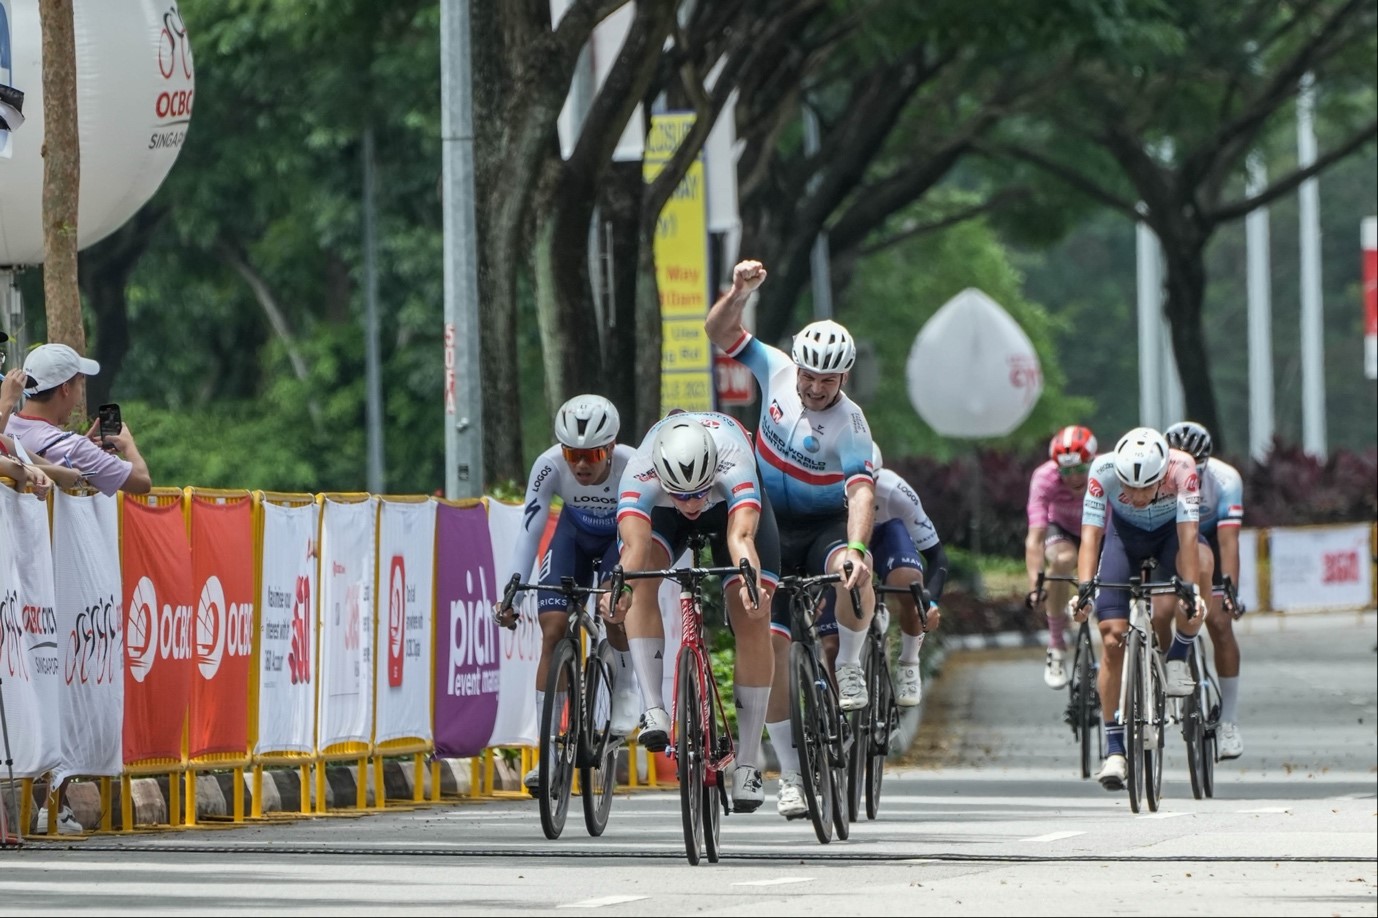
55, 384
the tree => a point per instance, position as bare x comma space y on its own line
61, 174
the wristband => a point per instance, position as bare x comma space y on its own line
626, 588
857, 546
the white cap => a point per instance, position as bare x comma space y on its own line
51, 365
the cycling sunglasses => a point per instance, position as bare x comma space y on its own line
1074, 469
593, 455
686, 498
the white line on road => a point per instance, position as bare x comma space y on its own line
1269, 809
602, 901
1162, 815
1052, 836
778, 881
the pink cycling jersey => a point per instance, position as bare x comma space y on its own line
1051, 501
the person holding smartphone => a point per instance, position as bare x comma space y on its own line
54, 383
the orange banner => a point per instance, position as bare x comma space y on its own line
157, 630
222, 567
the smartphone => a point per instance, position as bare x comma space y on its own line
110, 422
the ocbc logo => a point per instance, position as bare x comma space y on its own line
176, 104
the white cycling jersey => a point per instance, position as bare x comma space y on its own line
640, 490
807, 458
1222, 495
592, 508
1178, 496
895, 500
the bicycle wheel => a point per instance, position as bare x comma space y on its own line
1155, 709
559, 740
715, 793
884, 719
1133, 718
1086, 720
598, 758
1210, 751
805, 716
836, 742
1194, 731
689, 754
859, 726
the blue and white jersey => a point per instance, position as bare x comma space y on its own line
640, 491
807, 458
1177, 498
591, 508
1222, 495
895, 500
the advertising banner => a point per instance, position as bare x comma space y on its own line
515, 721
1321, 567
1247, 588
468, 652
406, 580
287, 630
222, 564
344, 706
157, 629
90, 627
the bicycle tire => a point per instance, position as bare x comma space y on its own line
715, 792
835, 729
886, 719
859, 723
689, 754
805, 713
1210, 749
1156, 707
598, 770
1194, 730
1132, 718
560, 724
1084, 716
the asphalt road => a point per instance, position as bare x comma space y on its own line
993, 818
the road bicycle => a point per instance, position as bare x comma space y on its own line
873, 725
1083, 712
576, 717
702, 746
822, 735
1199, 713
1143, 701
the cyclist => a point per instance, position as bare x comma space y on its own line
694, 472
1142, 501
1056, 490
903, 532
813, 447
1222, 513
582, 469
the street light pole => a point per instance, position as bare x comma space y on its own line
463, 395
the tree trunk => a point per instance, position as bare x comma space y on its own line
648, 334
620, 209
61, 175
1185, 285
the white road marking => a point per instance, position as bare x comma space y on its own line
1052, 836
778, 881
1162, 815
1269, 809
602, 901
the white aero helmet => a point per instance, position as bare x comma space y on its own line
1141, 457
685, 456
587, 421
824, 347
876, 459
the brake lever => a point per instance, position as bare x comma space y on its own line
852, 591
920, 602
749, 575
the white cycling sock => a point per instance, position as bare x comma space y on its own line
1229, 699
623, 670
781, 735
849, 645
751, 717
648, 661
910, 645
540, 706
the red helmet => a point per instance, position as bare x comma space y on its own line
1072, 446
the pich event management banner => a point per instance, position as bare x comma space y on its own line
90, 627
344, 706
514, 723
222, 567
287, 629
406, 596
30, 664
467, 652
157, 629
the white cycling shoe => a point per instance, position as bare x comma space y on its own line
1055, 669
655, 730
1113, 772
851, 686
626, 706
789, 798
748, 790
1230, 742
1177, 680
908, 685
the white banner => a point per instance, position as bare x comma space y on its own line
1321, 567
287, 630
515, 724
30, 665
1247, 588
344, 708
406, 600
90, 626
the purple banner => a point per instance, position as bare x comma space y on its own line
468, 651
